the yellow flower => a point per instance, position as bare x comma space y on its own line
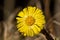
30, 21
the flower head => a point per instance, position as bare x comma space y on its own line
30, 21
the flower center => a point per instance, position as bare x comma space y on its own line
30, 20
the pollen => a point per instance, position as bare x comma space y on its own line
29, 20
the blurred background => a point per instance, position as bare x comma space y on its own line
9, 9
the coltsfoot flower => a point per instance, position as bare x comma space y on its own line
30, 21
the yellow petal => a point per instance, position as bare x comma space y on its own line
32, 34
40, 24
25, 30
24, 34
21, 29
19, 25
38, 11
31, 10
39, 16
25, 11
29, 32
37, 28
21, 14
19, 19
34, 29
